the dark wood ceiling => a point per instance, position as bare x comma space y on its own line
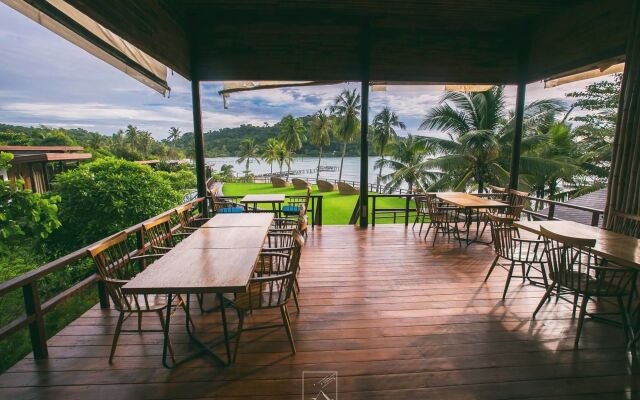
470, 41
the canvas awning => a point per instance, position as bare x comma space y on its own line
69, 23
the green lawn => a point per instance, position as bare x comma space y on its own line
336, 208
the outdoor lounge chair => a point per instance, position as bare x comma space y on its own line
278, 182
324, 186
300, 183
345, 188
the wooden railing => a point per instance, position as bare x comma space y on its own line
35, 309
408, 211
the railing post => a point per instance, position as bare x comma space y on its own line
373, 210
595, 218
140, 247
319, 211
103, 295
552, 211
406, 210
36, 328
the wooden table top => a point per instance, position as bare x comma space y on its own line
466, 200
263, 198
239, 220
621, 249
226, 238
216, 260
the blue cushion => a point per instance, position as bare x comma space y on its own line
231, 210
291, 210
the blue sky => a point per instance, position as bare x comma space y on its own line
46, 80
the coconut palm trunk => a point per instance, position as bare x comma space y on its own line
319, 160
380, 171
344, 150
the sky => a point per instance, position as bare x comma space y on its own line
45, 80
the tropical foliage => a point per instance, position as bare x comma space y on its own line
406, 163
384, 133
346, 109
320, 130
249, 150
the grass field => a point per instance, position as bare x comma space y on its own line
336, 208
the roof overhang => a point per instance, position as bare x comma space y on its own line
66, 21
49, 157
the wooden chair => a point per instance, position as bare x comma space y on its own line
278, 182
116, 267
300, 184
509, 246
517, 198
443, 218
575, 268
325, 186
498, 193
269, 288
346, 189
422, 210
188, 222
162, 240
222, 206
627, 224
281, 242
289, 223
294, 203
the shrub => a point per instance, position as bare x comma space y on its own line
105, 196
183, 181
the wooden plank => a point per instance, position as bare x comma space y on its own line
225, 238
263, 198
239, 220
466, 200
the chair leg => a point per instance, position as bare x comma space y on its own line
240, 326
139, 321
575, 304
428, 229
287, 326
524, 273
506, 285
493, 265
626, 321
116, 335
200, 298
295, 300
583, 313
169, 346
544, 275
546, 296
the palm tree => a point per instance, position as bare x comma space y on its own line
321, 128
271, 151
174, 134
480, 134
384, 133
145, 141
132, 136
292, 134
346, 108
284, 156
95, 140
406, 164
249, 150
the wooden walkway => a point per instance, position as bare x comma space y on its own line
395, 317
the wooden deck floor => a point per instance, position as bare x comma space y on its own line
395, 317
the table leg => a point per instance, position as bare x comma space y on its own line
224, 328
167, 322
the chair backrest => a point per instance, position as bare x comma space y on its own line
503, 232
272, 288
115, 267
573, 264
517, 198
627, 224
433, 205
496, 189
185, 215
159, 234
422, 204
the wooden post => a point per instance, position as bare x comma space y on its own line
517, 136
364, 155
198, 138
36, 328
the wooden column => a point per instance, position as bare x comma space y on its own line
517, 136
364, 154
623, 197
198, 143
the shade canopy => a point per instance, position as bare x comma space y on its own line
431, 41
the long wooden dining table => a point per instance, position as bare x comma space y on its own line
470, 203
219, 258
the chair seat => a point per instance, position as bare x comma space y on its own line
587, 284
231, 210
258, 296
291, 210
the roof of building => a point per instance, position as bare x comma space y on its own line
40, 149
46, 157
597, 200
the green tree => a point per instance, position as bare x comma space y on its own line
292, 134
384, 132
271, 151
105, 196
320, 130
174, 134
346, 109
406, 164
249, 150
480, 132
